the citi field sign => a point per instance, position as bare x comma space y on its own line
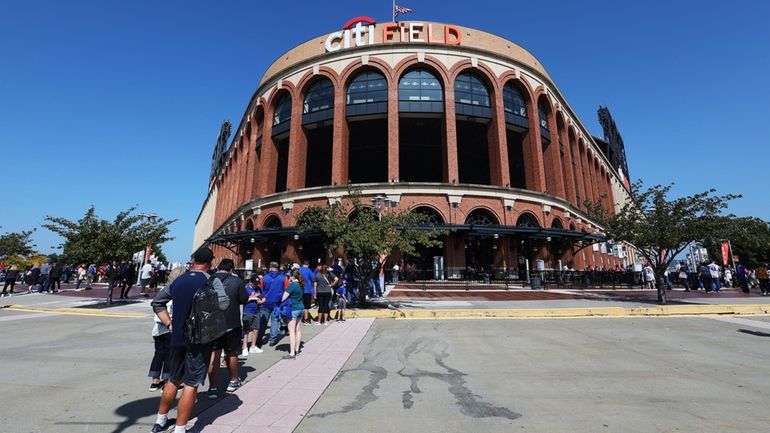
360, 31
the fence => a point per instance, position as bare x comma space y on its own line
518, 280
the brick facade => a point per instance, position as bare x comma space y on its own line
247, 184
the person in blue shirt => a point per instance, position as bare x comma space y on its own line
251, 315
308, 276
273, 285
342, 301
188, 363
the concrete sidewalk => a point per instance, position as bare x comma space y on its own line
277, 400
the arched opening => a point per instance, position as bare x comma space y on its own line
422, 260
421, 137
367, 116
557, 224
317, 124
271, 248
527, 248
480, 250
516, 131
544, 116
281, 126
474, 112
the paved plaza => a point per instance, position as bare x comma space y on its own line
73, 365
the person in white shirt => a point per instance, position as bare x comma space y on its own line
144, 277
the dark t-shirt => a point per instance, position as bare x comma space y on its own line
323, 283
182, 291
235, 289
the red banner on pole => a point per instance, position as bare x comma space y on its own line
725, 252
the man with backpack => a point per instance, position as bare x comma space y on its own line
235, 288
188, 357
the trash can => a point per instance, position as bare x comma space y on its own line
536, 282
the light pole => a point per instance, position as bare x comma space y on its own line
381, 204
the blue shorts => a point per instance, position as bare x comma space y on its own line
189, 364
296, 314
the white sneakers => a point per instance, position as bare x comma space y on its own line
255, 349
245, 353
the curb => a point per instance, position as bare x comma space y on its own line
542, 313
72, 311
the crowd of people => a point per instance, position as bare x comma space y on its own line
276, 301
710, 277
49, 276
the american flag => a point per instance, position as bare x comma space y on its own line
401, 10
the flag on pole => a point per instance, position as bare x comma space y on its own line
725, 252
400, 10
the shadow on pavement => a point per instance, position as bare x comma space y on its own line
755, 333
135, 410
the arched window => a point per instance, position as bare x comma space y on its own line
420, 85
282, 116
472, 98
545, 127
527, 220
481, 217
556, 224
367, 94
469, 89
543, 114
513, 101
272, 222
320, 96
367, 87
432, 217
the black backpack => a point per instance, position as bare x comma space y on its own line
206, 321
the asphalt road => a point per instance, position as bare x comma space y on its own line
68, 373
580, 375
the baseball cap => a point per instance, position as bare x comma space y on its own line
203, 255
274, 265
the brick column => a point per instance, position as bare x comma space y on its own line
577, 171
554, 157
251, 163
268, 164
585, 173
295, 174
449, 149
393, 131
498, 145
566, 166
534, 170
340, 140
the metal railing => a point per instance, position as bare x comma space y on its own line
512, 279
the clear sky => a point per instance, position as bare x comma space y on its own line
118, 104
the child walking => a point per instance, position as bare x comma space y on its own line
342, 301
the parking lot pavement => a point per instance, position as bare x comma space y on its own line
588, 375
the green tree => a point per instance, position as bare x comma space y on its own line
660, 227
750, 240
364, 232
93, 240
16, 244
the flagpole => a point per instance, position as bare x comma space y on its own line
393, 11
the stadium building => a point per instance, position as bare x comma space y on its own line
454, 122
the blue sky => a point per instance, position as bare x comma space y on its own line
118, 104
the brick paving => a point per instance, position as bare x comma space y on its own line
277, 400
